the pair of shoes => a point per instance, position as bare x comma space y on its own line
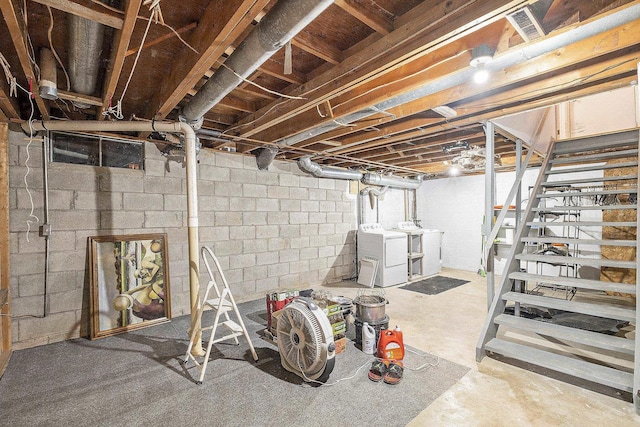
389, 371
394, 372
379, 369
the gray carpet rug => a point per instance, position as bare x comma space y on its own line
434, 285
136, 379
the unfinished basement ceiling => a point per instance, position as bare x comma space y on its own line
365, 75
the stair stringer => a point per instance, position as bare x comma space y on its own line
490, 328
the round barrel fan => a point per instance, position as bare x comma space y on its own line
305, 341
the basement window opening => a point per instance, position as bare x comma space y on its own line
95, 150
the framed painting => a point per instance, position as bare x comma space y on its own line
129, 283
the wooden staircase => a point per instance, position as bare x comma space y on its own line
557, 247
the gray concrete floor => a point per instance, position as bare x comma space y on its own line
493, 393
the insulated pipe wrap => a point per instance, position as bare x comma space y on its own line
278, 26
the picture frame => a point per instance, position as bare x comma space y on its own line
129, 283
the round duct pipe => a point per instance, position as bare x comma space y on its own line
392, 181
265, 156
286, 19
306, 165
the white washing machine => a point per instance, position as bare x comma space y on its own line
389, 248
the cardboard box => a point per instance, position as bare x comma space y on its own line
341, 345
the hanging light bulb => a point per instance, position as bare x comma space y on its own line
480, 56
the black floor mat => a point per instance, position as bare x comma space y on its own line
434, 285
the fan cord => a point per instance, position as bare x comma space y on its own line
419, 368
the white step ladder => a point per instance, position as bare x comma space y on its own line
221, 305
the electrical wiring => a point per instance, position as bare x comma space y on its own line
273, 92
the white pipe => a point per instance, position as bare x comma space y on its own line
192, 185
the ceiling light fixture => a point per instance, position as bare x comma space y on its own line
445, 111
480, 56
458, 145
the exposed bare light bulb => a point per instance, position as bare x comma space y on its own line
481, 76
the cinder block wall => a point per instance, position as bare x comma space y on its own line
275, 229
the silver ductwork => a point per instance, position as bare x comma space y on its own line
462, 76
286, 19
85, 47
265, 156
306, 165
392, 181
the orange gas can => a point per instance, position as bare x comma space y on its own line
390, 345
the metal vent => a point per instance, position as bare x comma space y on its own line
526, 24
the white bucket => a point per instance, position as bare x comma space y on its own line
368, 338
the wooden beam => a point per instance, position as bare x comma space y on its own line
274, 69
118, 54
221, 24
442, 23
583, 51
104, 17
78, 97
8, 104
366, 13
5, 288
162, 38
16, 32
317, 47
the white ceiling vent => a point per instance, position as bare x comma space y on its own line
526, 24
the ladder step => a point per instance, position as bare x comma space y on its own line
215, 302
549, 194
232, 325
568, 365
537, 224
565, 333
597, 157
593, 168
559, 210
576, 282
592, 262
589, 180
586, 242
606, 311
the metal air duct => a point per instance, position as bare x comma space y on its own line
306, 165
85, 47
462, 76
286, 19
392, 181
265, 156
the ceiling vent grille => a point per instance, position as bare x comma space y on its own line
526, 24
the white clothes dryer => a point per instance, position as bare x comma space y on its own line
389, 248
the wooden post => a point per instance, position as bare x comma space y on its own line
5, 297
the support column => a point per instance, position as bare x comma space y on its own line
489, 203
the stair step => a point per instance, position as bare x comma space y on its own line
537, 224
589, 180
597, 157
569, 193
576, 282
593, 168
599, 310
576, 367
566, 333
569, 241
592, 262
215, 302
625, 138
564, 209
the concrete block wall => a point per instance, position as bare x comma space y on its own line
275, 229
